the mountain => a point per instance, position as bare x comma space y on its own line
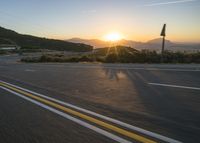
154, 44
138, 45
159, 41
94, 42
42, 43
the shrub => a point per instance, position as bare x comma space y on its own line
123, 56
111, 58
85, 59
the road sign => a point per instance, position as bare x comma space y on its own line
163, 32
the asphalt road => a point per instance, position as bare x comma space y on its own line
163, 99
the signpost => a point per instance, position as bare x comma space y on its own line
163, 33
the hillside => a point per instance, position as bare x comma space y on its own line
118, 50
41, 43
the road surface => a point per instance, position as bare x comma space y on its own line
98, 102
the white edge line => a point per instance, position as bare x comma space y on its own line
78, 121
134, 128
175, 86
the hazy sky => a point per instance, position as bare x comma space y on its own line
139, 20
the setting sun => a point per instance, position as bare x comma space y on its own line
113, 37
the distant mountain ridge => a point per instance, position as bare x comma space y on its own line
42, 43
94, 42
154, 44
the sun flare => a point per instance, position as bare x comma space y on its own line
113, 37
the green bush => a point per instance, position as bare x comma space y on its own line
86, 59
111, 58
30, 59
2, 52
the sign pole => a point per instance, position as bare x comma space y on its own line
163, 45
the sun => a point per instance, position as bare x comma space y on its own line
113, 37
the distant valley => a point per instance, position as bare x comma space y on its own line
154, 44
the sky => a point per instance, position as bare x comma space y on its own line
138, 20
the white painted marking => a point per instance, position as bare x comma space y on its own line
78, 121
134, 128
30, 70
175, 86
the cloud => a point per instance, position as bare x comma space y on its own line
169, 2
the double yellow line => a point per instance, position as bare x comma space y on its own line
81, 115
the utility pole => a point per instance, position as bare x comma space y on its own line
163, 33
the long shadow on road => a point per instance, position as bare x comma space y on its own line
163, 109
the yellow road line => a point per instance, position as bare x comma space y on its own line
83, 116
